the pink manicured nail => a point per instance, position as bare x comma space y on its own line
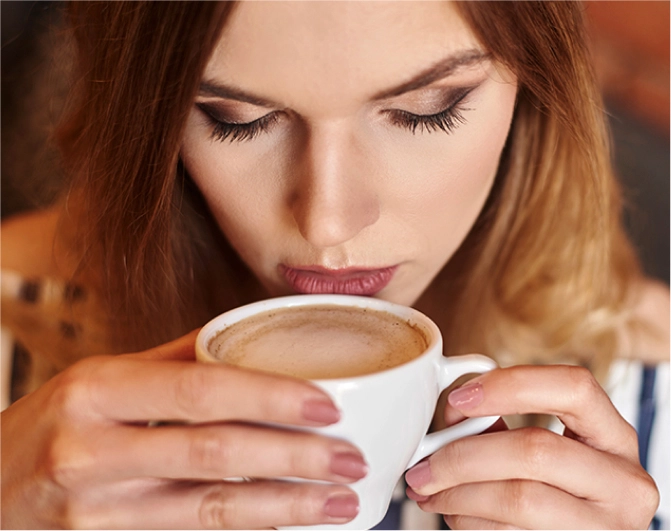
419, 475
466, 397
321, 411
349, 465
342, 506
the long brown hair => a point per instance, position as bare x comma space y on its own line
139, 226
543, 273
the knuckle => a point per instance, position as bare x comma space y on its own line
460, 521
210, 451
314, 454
585, 386
70, 514
279, 402
79, 515
217, 509
456, 521
538, 449
299, 458
519, 498
630, 440
296, 508
73, 389
269, 407
74, 518
306, 504
644, 491
65, 463
281, 398
190, 392
451, 460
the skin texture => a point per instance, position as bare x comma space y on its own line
88, 460
335, 182
532, 478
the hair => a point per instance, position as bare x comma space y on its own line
545, 274
542, 276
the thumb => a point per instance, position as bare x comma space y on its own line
180, 349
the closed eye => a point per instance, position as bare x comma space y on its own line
236, 131
446, 120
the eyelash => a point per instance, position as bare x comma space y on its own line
447, 121
241, 132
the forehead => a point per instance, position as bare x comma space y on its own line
334, 49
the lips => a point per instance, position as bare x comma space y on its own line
349, 281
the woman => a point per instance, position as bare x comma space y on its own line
449, 156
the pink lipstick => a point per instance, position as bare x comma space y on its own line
349, 281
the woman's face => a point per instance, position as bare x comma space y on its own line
348, 147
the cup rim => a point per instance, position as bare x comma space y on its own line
414, 316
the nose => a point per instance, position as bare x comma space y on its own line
333, 198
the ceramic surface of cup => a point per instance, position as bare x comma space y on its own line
386, 410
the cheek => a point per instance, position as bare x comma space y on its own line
448, 177
230, 186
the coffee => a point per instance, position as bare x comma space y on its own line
319, 342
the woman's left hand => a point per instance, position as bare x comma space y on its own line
588, 478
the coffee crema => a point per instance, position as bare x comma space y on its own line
319, 342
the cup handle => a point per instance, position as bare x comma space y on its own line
451, 369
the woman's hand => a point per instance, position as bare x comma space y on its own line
589, 478
77, 453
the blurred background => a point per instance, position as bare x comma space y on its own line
630, 40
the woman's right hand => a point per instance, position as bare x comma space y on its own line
78, 452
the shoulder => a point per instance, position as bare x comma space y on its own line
28, 242
647, 337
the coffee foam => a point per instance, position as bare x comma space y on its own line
318, 342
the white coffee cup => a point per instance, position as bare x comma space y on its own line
385, 414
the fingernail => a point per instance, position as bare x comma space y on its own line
321, 411
342, 506
466, 397
349, 465
419, 475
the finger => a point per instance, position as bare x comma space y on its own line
571, 393
452, 416
457, 521
527, 453
521, 503
230, 505
129, 389
217, 451
182, 348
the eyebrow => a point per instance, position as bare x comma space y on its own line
440, 70
212, 88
